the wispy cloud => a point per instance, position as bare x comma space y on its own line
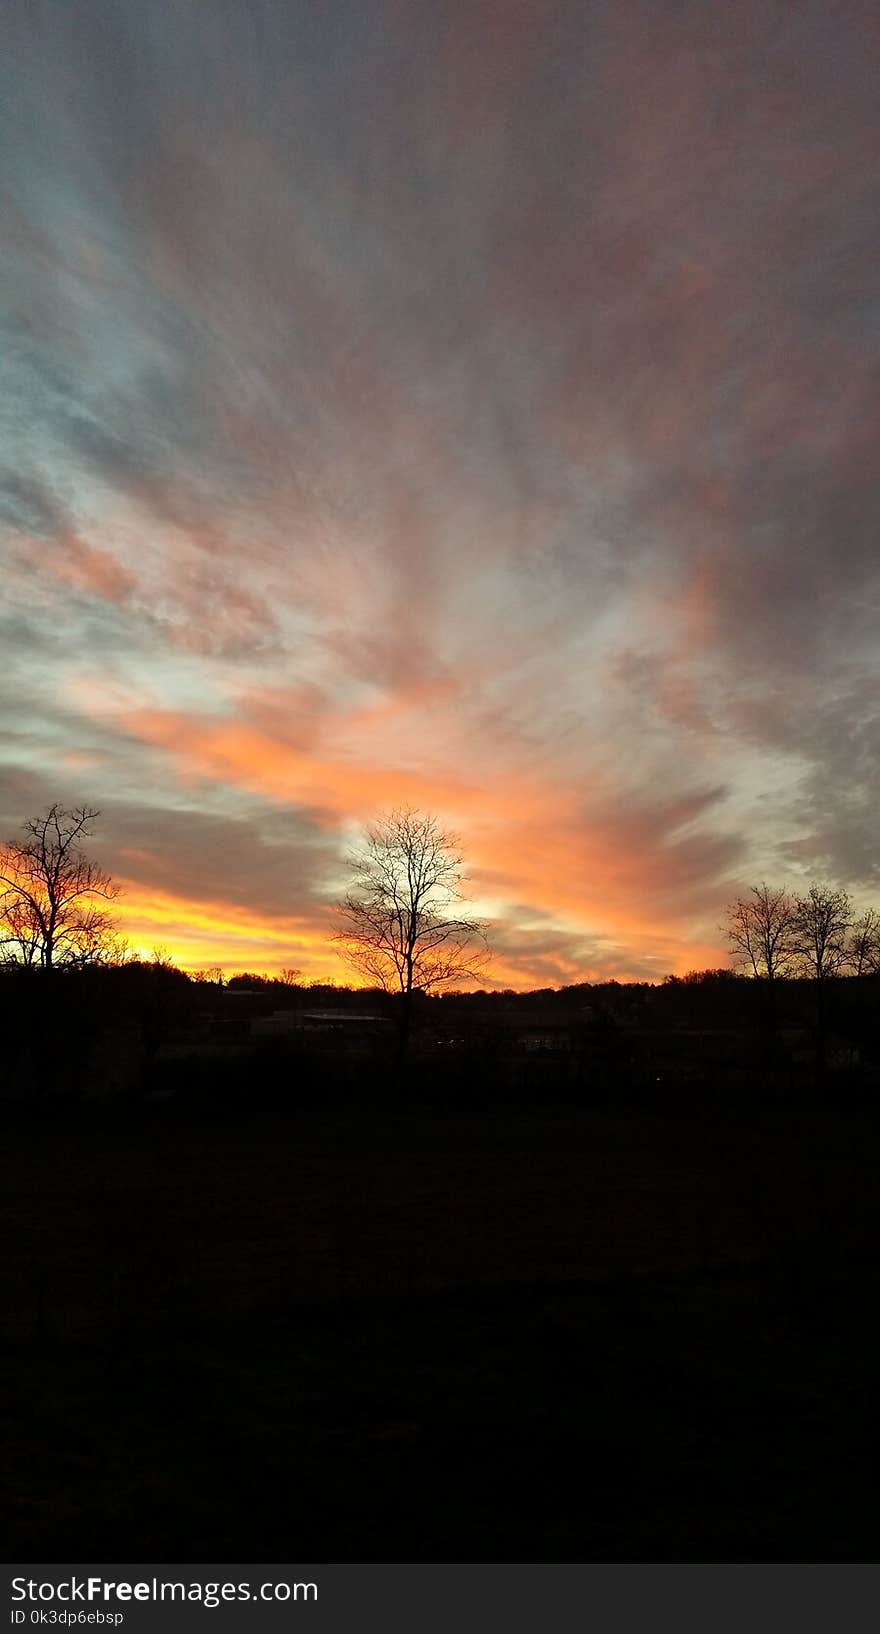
472, 404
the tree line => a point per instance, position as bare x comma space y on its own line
775, 934
402, 923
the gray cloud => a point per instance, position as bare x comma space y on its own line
508, 372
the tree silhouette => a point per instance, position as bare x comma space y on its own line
212, 975
400, 925
762, 929
51, 893
824, 917
864, 944
21, 931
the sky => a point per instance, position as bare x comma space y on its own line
469, 404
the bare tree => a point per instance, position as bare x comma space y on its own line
762, 931
213, 976
823, 919
20, 938
863, 947
824, 916
51, 893
400, 921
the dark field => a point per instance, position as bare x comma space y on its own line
535, 1337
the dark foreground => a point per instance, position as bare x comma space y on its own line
501, 1338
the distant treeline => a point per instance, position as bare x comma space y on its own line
146, 1028
80, 1015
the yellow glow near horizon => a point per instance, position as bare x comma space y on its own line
196, 935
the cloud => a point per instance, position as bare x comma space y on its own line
474, 405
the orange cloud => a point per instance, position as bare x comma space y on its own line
210, 748
71, 561
625, 877
196, 934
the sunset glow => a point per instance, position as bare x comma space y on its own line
388, 427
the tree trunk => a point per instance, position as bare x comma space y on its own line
821, 1030
404, 1025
